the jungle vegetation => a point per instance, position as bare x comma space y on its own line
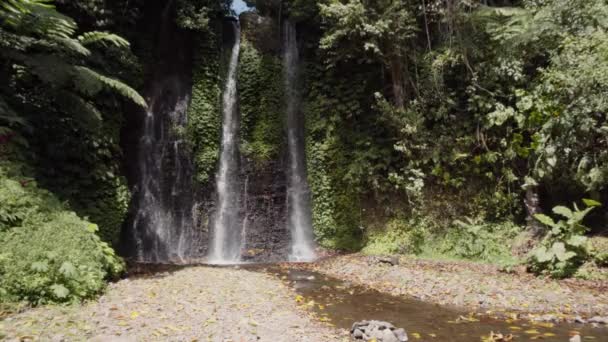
473, 129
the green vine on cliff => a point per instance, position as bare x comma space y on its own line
204, 120
261, 103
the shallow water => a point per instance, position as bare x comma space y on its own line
341, 304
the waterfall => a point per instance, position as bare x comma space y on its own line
163, 200
227, 228
298, 192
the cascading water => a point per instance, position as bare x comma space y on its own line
163, 222
298, 192
227, 227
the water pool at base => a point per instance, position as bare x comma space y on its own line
341, 304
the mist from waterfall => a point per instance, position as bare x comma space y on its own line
164, 207
298, 192
227, 226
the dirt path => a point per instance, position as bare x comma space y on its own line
192, 304
474, 286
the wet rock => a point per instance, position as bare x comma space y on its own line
377, 330
598, 320
393, 260
388, 336
579, 319
400, 334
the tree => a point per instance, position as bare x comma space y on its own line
371, 31
39, 45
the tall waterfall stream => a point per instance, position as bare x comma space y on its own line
298, 193
164, 227
227, 235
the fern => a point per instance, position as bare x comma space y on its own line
104, 38
37, 26
93, 82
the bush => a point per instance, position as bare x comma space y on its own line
564, 248
399, 237
598, 249
476, 239
48, 254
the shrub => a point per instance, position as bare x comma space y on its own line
476, 239
598, 249
48, 254
399, 237
564, 248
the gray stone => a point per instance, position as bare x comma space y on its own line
359, 324
358, 334
599, 320
376, 333
579, 319
575, 338
401, 335
388, 336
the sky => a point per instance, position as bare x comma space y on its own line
239, 6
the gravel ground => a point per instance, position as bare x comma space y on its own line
192, 304
474, 287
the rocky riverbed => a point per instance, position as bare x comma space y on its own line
190, 304
477, 287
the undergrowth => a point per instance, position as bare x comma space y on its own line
47, 253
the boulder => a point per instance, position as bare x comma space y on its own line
377, 330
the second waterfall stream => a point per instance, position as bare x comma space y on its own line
227, 235
298, 192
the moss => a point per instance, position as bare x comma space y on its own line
261, 103
204, 118
336, 205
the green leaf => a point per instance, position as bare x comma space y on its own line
591, 203
559, 250
544, 219
563, 211
60, 291
68, 270
542, 254
577, 240
40, 266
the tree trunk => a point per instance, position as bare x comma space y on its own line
532, 203
398, 82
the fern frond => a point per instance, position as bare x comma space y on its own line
104, 38
73, 46
87, 112
91, 82
36, 17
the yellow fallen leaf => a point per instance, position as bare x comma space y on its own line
532, 332
549, 334
514, 328
299, 299
416, 335
544, 324
134, 314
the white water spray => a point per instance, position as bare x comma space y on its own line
298, 192
227, 228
